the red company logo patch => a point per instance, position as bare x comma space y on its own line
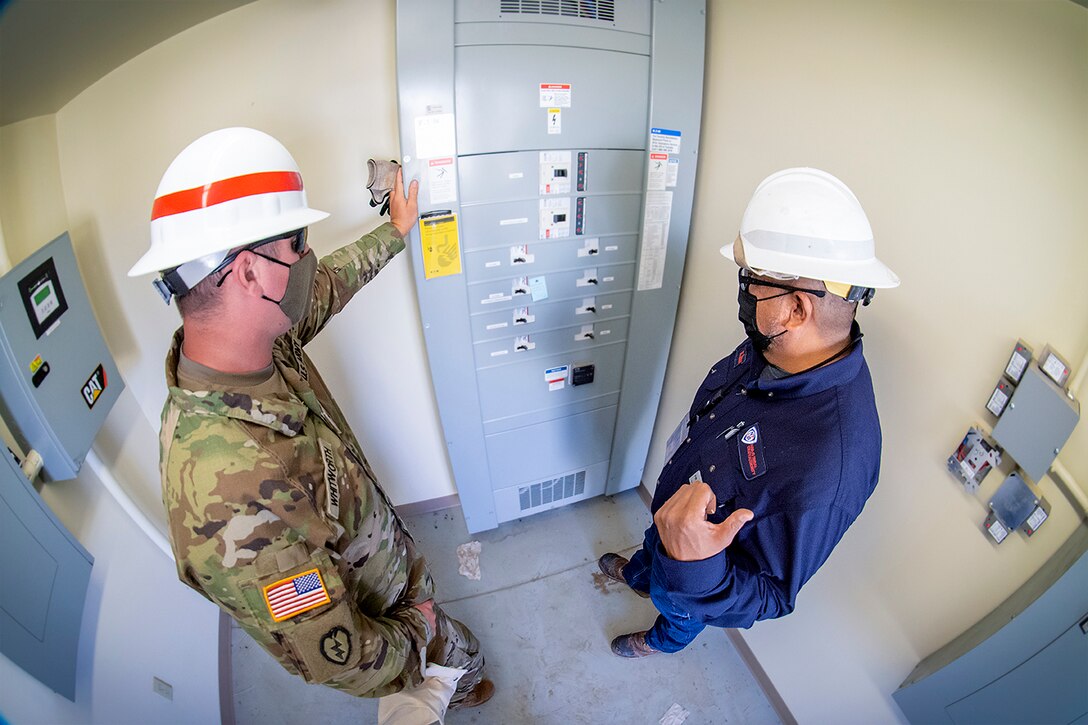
752, 462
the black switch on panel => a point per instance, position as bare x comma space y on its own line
582, 374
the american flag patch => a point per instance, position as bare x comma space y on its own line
295, 595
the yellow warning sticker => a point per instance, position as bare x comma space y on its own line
441, 245
35, 364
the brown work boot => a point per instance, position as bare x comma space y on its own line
477, 696
612, 566
632, 645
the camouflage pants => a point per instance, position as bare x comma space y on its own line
454, 645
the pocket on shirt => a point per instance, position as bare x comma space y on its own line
304, 606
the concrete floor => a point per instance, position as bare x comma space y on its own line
545, 616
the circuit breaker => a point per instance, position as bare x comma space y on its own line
555, 142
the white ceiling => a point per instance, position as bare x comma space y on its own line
51, 50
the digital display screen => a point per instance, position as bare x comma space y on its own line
43, 297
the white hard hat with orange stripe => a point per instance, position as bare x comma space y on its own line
228, 188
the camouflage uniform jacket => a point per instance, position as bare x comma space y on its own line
276, 516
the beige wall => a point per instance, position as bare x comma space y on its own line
31, 196
963, 129
959, 124
134, 603
320, 77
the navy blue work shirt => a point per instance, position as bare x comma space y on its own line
802, 452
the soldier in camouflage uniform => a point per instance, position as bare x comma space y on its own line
274, 513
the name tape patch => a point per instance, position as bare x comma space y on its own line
750, 445
332, 487
296, 594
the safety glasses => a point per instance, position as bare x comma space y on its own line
298, 246
745, 278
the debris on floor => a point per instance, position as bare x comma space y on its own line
675, 715
468, 560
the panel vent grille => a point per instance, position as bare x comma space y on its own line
552, 490
604, 10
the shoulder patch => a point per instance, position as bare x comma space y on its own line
296, 594
742, 355
750, 445
336, 645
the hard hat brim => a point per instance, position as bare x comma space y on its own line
861, 273
163, 257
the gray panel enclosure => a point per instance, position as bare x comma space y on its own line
45, 573
1027, 661
56, 407
550, 209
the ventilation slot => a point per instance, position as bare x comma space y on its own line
552, 490
604, 10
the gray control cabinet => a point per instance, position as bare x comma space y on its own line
58, 379
556, 147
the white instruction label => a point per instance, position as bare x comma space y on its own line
555, 94
673, 173
663, 140
440, 179
435, 136
655, 236
556, 377
657, 172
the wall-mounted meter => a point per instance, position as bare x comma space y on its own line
57, 378
563, 137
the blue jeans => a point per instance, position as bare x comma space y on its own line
675, 628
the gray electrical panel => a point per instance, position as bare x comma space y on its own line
1025, 662
57, 377
555, 142
45, 573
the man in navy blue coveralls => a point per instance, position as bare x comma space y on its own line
780, 448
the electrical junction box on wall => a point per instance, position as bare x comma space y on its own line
1036, 423
556, 143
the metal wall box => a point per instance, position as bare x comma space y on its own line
45, 574
58, 380
562, 138
1036, 423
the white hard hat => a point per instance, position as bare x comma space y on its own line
806, 223
226, 189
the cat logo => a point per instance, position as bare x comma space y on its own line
94, 386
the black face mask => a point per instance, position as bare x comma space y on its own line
746, 313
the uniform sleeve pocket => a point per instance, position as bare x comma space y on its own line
305, 608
